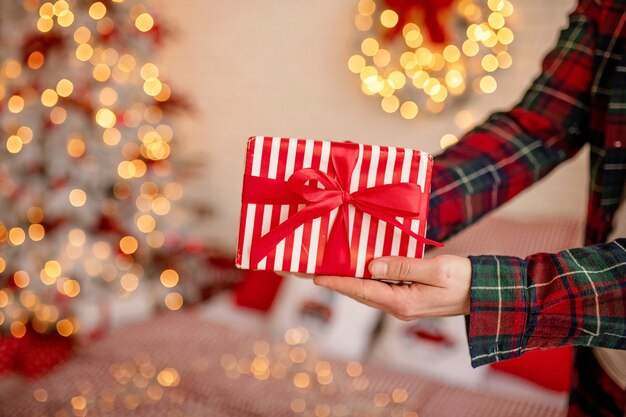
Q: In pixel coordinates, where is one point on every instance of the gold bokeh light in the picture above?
(64, 88)
(82, 35)
(88, 91)
(14, 144)
(97, 10)
(439, 71)
(16, 104)
(106, 118)
(174, 301)
(17, 236)
(169, 278)
(36, 60)
(144, 22)
(389, 18)
(128, 245)
(78, 197)
(76, 147)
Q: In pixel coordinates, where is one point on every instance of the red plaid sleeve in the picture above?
(512, 150)
(574, 297)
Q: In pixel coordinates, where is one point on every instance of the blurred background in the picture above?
(280, 69)
(124, 127)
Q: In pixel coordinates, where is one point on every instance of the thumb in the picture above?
(426, 271)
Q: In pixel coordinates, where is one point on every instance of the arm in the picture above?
(488, 167)
(512, 150)
(574, 297)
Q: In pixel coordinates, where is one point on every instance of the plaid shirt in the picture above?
(578, 296)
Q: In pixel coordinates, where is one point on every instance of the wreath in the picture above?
(425, 54)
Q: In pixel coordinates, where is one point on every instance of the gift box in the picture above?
(328, 208)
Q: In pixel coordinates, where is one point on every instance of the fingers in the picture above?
(439, 286)
(393, 299)
(425, 271)
(367, 291)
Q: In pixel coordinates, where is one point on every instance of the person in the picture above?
(574, 297)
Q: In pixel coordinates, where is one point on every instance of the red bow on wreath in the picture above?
(431, 12)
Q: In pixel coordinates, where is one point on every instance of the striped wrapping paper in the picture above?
(369, 237)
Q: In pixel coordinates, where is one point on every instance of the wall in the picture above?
(278, 68)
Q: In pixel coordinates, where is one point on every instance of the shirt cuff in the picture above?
(498, 308)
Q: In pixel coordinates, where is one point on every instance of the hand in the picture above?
(438, 286)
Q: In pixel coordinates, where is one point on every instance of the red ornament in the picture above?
(257, 290)
(33, 355)
(9, 348)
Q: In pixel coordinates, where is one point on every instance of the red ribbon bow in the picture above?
(430, 10)
(384, 202)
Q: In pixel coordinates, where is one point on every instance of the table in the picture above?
(183, 365)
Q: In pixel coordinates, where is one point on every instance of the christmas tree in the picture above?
(86, 172)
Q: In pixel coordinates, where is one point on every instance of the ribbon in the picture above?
(431, 11)
(384, 202)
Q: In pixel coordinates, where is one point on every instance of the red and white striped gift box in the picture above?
(274, 159)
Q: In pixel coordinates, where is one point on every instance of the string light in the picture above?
(76, 147)
(16, 104)
(168, 377)
(40, 395)
(36, 232)
(144, 22)
(65, 328)
(64, 88)
(129, 282)
(111, 136)
(155, 239)
(71, 288)
(128, 245)
(105, 26)
(58, 115)
(174, 301)
(46, 10)
(390, 103)
(447, 140)
(108, 96)
(17, 236)
(315, 383)
(77, 237)
(431, 74)
(82, 35)
(14, 144)
(45, 24)
(106, 118)
(408, 110)
(97, 10)
(12, 69)
(53, 269)
(389, 18)
(169, 278)
(84, 52)
(106, 93)
(18, 329)
(66, 19)
(78, 197)
(488, 84)
(21, 279)
(101, 72)
(152, 86)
